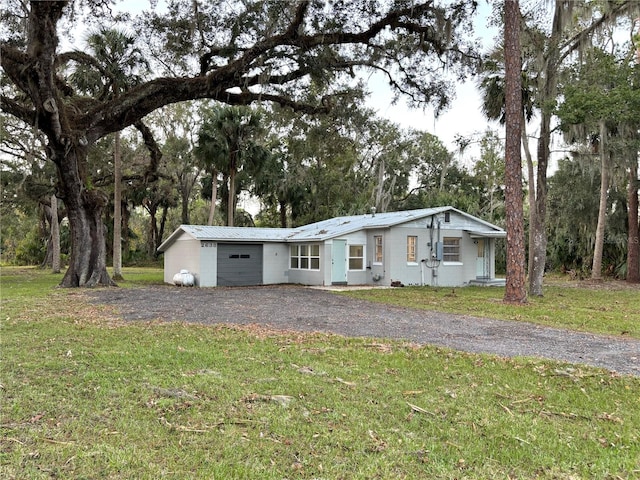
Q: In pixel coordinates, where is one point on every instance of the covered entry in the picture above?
(239, 264)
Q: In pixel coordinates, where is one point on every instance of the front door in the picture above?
(339, 262)
(482, 265)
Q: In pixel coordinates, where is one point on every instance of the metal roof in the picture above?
(338, 226)
(235, 233)
(319, 231)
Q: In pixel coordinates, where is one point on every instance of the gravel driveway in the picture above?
(307, 309)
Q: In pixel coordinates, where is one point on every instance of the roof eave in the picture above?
(171, 238)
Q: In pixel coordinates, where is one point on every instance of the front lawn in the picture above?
(611, 308)
(85, 395)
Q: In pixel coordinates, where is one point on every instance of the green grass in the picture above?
(85, 395)
(141, 276)
(608, 309)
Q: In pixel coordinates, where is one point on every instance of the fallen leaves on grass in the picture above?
(349, 384)
(379, 445)
(418, 409)
(282, 400)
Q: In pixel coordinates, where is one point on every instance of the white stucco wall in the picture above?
(208, 264)
(377, 270)
(354, 277)
(417, 273)
(184, 254)
(398, 269)
(309, 277)
(275, 263)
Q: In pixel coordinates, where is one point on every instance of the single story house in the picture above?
(432, 246)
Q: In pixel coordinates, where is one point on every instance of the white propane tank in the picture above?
(187, 278)
(184, 279)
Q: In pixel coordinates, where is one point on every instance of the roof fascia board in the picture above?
(479, 220)
(172, 238)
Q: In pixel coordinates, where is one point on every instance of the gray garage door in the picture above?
(239, 265)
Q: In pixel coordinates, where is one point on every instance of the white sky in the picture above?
(464, 117)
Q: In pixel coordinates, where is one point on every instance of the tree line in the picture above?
(206, 103)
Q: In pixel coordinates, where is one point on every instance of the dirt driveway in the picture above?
(306, 309)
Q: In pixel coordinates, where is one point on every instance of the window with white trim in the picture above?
(356, 257)
(377, 246)
(412, 249)
(451, 249)
(305, 257)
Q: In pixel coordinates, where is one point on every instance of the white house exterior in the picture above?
(433, 246)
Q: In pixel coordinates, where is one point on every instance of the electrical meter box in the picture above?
(439, 251)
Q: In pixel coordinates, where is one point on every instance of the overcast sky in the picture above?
(464, 117)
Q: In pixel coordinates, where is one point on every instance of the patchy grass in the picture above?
(585, 307)
(85, 395)
(134, 276)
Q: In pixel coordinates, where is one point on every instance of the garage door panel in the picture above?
(239, 265)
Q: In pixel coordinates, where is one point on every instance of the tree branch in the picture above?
(27, 115)
(293, 38)
(14, 62)
(247, 97)
(151, 173)
(572, 44)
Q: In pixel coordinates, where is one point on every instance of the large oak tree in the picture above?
(235, 53)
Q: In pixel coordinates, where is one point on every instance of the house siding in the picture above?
(453, 274)
(195, 248)
(359, 276)
(275, 267)
(309, 277)
(409, 273)
(376, 271)
(418, 273)
(208, 264)
(185, 255)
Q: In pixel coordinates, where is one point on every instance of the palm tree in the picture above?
(227, 142)
(120, 63)
(550, 50)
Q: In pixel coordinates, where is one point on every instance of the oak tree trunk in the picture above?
(214, 196)
(117, 209)
(283, 214)
(231, 204)
(50, 215)
(184, 207)
(55, 235)
(152, 234)
(538, 218)
(85, 206)
(531, 194)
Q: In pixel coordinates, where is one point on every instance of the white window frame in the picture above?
(356, 258)
(451, 250)
(304, 256)
(412, 249)
(378, 250)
